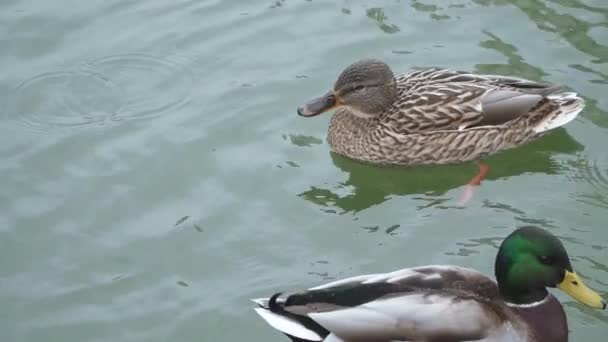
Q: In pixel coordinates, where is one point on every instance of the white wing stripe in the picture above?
(357, 279)
(288, 325)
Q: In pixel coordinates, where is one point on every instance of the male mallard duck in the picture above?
(442, 303)
(436, 116)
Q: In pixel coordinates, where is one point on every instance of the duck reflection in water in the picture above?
(368, 185)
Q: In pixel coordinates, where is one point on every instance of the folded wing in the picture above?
(426, 303)
(440, 99)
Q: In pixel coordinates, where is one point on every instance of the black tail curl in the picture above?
(273, 306)
(277, 308)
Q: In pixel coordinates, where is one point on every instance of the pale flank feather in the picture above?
(409, 317)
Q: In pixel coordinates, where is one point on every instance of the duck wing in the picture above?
(441, 99)
(416, 304)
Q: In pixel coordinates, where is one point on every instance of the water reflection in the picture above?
(324, 275)
(377, 15)
(515, 66)
(594, 113)
(388, 230)
(471, 247)
(602, 77)
(432, 9)
(369, 185)
(302, 140)
(593, 173)
(519, 215)
(569, 27)
(278, 3)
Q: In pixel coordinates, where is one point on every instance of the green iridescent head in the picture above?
(531, 259)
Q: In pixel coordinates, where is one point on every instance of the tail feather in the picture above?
(288, 325)
(297, 328)
(569, 105)
(262, 302)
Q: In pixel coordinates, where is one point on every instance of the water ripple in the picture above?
(150, 85)
(101, 91)
(62, 99)
(597, 176)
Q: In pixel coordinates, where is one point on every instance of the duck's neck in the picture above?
(352, 123)
(523, 297)
(546, 320)
(347, 133)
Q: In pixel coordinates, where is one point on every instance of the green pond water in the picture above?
(154, 175)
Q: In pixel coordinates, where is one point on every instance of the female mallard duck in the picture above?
(442, 303)
(436, 116)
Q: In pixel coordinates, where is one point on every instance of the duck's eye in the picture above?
(359, 87)
(545, 259)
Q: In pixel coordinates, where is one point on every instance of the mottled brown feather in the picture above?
(440, 117)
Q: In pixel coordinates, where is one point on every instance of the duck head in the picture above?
(365, 88)
(531, 259)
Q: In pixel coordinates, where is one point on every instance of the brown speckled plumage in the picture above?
(440, 116)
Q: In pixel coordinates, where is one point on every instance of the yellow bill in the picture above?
(573, 285)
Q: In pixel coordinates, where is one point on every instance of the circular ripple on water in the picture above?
(149, 86)
(105, 90)
(63, 99)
